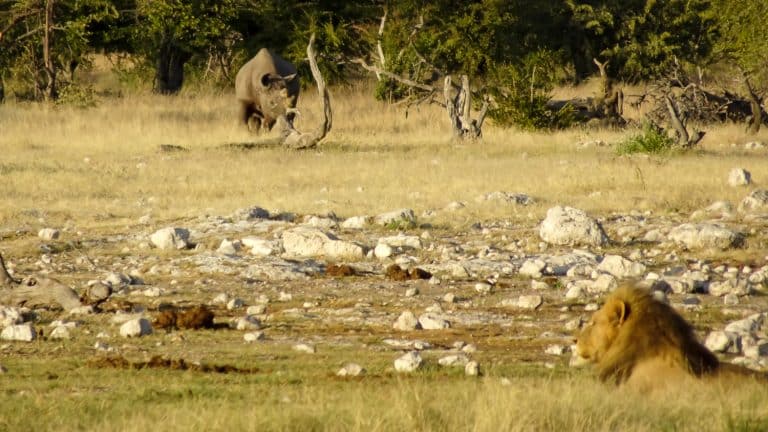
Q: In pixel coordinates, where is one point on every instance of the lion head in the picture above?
(634, 331)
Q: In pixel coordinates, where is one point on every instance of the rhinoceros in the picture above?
(267, 87)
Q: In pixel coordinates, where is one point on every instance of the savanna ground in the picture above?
(94, 172)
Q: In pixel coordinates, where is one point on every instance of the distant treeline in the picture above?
(44, 43)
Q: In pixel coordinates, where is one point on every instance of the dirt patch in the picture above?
(397, 273)
(195, 318)
(158, 362)
(340, 270)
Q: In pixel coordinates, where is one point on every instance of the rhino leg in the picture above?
(246, 112)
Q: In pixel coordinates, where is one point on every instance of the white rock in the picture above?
(604, 283)
(284, 296)
(533, 268)
(409, 362)
(529, 301)
(412, 292)
(351, 370)
(305, 348)
(382, 251)
(19, 332)
(483, 288)
(170, 238)
(431, 321)
(756, 201)
(102, 346)
(251, 337)
(728, 286)
(82, 310)
(248, 322)
(60, 332)
(621, 267)
(10, 315)
(221, 298)
(259, 246)
(259, 309)
(235, 303)
(356, 222)
(136, 327)
(570, 226)
(747, 325)
(413, 242)
(406, 321)
(574, 291)
(556, 350)
(454, 360)
(739, 177)
(48, 234)
(704, 236)
(756, 350)
(229, 247)
(340, 249)
(720, 341)
(402, 216)
(472, 369)
(449, 298)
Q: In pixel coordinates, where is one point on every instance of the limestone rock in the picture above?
(10, 316)
(472, 368)
(454, 360)
(351, 370)
(170, 238)
(705, 236)
(305, 348)
(60, 332)
(529, 301)
(402, 216)
(251, 337)
(248, 322)
(739, 177)
(409, 362)
(19, 332)
(621, 267)
(48, 234)
(432, 321)
(756, 201)
(570, 226)
(136, 328)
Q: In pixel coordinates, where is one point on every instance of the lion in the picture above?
(639, 341)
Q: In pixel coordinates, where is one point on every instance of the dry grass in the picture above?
(101, 169)
(69, 164)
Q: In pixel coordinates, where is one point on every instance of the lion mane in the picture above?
(635, 337)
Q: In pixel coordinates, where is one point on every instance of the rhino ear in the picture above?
(289, 78)
(266, 79)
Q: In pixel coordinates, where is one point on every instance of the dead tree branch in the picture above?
(35, 292)
(298, 140)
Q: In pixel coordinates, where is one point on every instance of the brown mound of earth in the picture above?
(340, 270)
(194, 318)
(157, 362)
(395, 272)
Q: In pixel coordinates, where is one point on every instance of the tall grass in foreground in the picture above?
(149, 400)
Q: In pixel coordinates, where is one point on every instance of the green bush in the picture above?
(650, 140)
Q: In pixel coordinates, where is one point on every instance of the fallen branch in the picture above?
(35, 292)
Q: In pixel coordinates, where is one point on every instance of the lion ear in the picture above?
(618, 310)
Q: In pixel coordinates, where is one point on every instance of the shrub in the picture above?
(650, 140)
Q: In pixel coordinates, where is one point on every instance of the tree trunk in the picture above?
(756, 120)
(2, 90)
(169, 76)
(50, 68)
